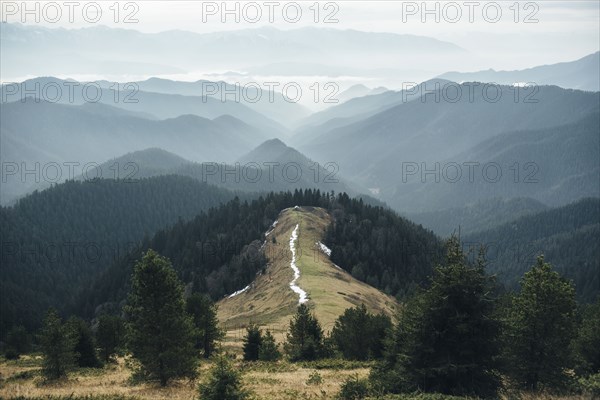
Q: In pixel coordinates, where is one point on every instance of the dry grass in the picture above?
(271, 303)
(265, 381)
(111, 380)
(294, 385)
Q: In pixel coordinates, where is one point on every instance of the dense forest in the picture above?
(567, 236)
(381, 248)
(218, 252)
(82, 238)
(477, 216)
(56, 240)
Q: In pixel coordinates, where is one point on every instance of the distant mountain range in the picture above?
(391, 151)
(481, 215)
(580, 74)
(356, 109)
(270, 167)
(45, 133)
(131, 98)
(93, 132)
(544, 142)
(271, 104)
(67, 52)
(218, 151)
(359, 91)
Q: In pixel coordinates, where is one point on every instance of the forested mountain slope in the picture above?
(567, 236)
(219, 252)
(55, 241)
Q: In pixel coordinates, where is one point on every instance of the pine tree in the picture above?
(223, 383)
(252, 343)
(304, 337)
(57, 347)
(350, 333)
(269, 349)
(204, 314)
(381, 327)
(85, 345)
(160, 331)
(541, 326)
(587, 344)
(358, 334)
(110, 336)
(446, 339)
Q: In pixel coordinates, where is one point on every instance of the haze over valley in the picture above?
(348, 200)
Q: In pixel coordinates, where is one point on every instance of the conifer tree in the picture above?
(223, 382)
(57, 347)
(447, 338)
(204, 314)
(304, 337)
(160, 332)
(110, 336)
(360, 335)
(541, 326)
(269, 349)
(252, 343)
(85, 345)
(587, 344)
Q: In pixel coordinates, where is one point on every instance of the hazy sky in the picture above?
(503, 35)
(539, 32)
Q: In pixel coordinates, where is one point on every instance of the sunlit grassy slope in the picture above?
(271, 303)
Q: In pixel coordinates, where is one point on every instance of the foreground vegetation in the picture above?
(455, 338)
(22, 380)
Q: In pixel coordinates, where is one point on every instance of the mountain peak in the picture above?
(273, 150)
(272, 143)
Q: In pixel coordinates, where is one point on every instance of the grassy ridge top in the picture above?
(270, 303)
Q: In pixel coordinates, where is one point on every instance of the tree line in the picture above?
(218, 251)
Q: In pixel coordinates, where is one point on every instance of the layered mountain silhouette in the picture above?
(393, 150)
(580, 74)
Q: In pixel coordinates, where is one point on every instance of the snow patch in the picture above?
(324, 249)
(238, 292)
(327, 252)
(272, 228)
(293, 286)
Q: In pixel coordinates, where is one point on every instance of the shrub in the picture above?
(354, 388)
(314, 379)
(591, 385)
(223, 383)
(11, 354)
